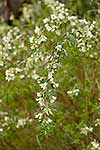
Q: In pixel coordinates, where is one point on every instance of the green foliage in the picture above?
(50, 79)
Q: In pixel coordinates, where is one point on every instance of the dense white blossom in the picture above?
(86, 130)
(42, 55)
(73, 92)
(95, 145)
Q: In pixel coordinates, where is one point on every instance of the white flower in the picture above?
(53, 99)
(90, 129)
(22, 76)
(95, 145)
(37, 30)
(1, 129)
(69, 92)
(53, 17)
(49, 120)
(40, 101)
(58, 47)
(17, 70)
(6, 118)
(35, 76)
(21, 122)
(41, 39)
(48, 27)
(31, 39)
(0, 100)
(58, 32)
(10, 74)
(1, 63)
(43, 85)
(45, 20)
(97, 122)
(39, 116)
(38, 94)
(73, 92)
(61, 16)
(86, 129)
(50, 75)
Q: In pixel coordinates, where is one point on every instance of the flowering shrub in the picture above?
(53, 66)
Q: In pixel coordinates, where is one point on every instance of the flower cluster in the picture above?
(85, 32)
(36, 42)
(47, 95)
(97, 122)
(73, 92)
(86, 36)
(86, 130)
(93, 142)
(95, 145)
(11, 73)
(7, 122)
(21, 122)
(27, 13)
(58, 17)
(40, 57)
